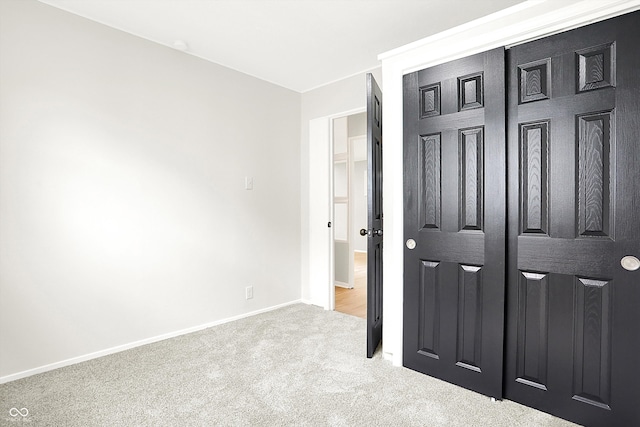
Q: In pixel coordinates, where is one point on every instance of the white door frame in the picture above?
(523, 22)
(321, 254)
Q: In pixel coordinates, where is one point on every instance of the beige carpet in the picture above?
(296, 366)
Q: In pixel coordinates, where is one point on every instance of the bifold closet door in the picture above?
(454, 221)
(573, 341)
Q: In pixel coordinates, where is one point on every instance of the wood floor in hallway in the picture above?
(354, 301)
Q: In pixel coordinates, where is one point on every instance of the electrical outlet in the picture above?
(249, 292)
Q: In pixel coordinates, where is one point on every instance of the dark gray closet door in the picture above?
(454, 221)
(573, 346)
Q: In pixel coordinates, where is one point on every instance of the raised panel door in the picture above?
(573, 342)
(454, 199)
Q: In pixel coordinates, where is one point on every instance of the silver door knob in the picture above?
(411, 244)
(630, 263)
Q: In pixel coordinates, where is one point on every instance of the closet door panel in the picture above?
(573, 193)
(454, 220)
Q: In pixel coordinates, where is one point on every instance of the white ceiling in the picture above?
(298, 44)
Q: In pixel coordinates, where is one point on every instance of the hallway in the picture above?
(354, 301)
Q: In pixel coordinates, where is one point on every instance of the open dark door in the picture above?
(374, 214)
(454, 221)
(574, 232)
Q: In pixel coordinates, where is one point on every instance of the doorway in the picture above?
(349, 143)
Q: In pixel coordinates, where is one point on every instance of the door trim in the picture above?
(320, 236)
(321, 265)
(518, 24)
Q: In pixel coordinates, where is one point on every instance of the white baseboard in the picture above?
(343, 285)
(117, 349)
(310, 302)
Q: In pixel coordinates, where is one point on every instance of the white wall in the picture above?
(357, 124)
(340, 98)
(123, 214)
(358, 200)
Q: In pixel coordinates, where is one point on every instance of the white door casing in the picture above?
(320, 207)
(321, 254)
